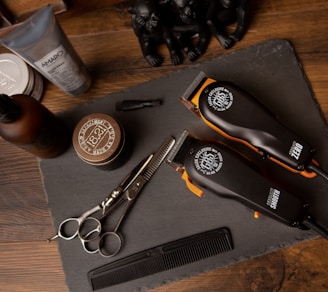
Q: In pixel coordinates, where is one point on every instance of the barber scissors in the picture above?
(88, 227)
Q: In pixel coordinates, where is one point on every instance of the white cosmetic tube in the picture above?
(42, 43)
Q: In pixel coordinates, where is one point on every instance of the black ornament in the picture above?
(186, 25)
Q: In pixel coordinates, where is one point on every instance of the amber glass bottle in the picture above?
(28, 124)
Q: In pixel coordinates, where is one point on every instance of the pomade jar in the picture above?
(99, 140)
(17, 77)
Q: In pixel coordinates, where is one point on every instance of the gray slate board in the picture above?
(166, 209)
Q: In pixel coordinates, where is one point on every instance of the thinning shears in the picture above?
(88, 227)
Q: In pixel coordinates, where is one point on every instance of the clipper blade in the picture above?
(179, 153)
(190, 92)
(194, 86)
(175, 157)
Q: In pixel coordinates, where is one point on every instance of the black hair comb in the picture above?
(164, 257)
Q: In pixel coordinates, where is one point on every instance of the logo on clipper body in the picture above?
(208, 160)
(296, 150)
(220, 99)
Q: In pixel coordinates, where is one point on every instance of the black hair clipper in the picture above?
(214, 166)
(237, 115)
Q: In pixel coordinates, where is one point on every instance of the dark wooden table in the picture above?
(102, 35)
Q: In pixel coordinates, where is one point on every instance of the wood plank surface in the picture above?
(106, 42)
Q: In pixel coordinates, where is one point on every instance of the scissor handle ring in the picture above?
(88, 247)
(114, 249)
(64, 232)
(89, 233)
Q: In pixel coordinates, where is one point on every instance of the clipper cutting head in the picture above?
(177, 154)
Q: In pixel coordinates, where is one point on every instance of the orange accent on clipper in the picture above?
(257, 214)
(195, 98)
(198, 192)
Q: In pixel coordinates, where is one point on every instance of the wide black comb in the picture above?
(161, 258)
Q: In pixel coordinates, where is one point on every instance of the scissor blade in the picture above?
(131, 177)
(150, 167)
(147, 168)
(158, 157)
(114, 197)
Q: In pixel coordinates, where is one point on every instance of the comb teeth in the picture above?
(162, 258)
(195, 252)
(159, 157)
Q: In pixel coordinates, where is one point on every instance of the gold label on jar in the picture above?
(96, 136)
(98, 139)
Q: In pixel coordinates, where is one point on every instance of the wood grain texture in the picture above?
(278, 271)
(17, 11)
(102, 35)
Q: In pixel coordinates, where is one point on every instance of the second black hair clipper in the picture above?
(238, 116)
(214, 166)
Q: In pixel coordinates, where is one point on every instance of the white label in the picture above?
(220, 99)
(59, 67)
(273, 198)
(7, 82)
(208, 160)
(296, 150)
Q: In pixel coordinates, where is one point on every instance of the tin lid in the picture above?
(98, 139)
(14, 74)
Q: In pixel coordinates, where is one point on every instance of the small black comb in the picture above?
(161, 258)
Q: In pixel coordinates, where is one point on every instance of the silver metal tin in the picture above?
(17, 77)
